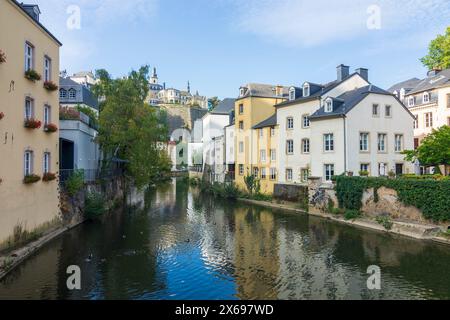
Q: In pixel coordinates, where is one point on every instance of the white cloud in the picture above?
(311, 23)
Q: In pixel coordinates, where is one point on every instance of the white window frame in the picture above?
(47, 68)
(328, 142)
(47, 114)
(382, 142)
(416, 121)
(292, 94)
(306, 121)
(398, 143)
(263, 173)
(289, 147)
(375, 110)
(385, 167)
(28, 163)
(386, 108)
(290, 123)
(70, 96)
(329, 106)
(241, 147)
(329, 172)
(29, 56)
(29, 108)
(46, 163)
(429, 120)
(273, 155)
(261, 133)
(273, 174)
(306, 90)
(411, 101)
(304, 174)
(426, 97)
(364, 142)
(62, 93)
(263, 155)
(289, 174)
(306, 146)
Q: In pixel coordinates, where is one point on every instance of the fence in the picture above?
(90, 175)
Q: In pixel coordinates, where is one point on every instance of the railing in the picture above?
(196, 168)
(90, 175)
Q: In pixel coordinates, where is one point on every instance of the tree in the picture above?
(130, 129)
(213, 102)
(434, 150)
(438, 53)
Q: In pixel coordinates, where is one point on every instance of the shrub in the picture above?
(95, 206)
(50, 86)
(32, 75)
(385, 221)
(75, 182)
(364, 173)
(430, 196)
(30, 179)
(352, 214)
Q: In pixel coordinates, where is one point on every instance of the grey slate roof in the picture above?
(263, 90)
(270, 122)
(347, 101)
(84, 95)
(408, 85)
(439, 80)
(226, 106)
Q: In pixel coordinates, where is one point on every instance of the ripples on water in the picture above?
(178, 244)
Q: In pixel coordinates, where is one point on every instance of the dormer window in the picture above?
(292, 94)
(306, 90)
(402, 94)
(411, 101)
(329, 106)
(426, 97)
(242, 92)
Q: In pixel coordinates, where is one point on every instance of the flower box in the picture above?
(32, 124)
(2, 57)
(2, 115)
(32, 75)
(30, 179)
(50, 86)
(49, 177)
(50, 128)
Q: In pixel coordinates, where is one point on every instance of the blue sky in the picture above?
(221, 44)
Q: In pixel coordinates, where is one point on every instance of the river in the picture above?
(178, 244)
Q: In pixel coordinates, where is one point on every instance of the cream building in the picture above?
(27, 152)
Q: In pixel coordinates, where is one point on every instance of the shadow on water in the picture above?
(175, 243)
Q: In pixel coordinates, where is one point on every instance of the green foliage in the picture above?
(253, 184)
(352, 214)
(385, 221)
(93, 117)
(75, 182)
(430, 196)
(130, 129)
(364, 173)
(434, 150)
(95, 206)
(219, 190)
(438, 52)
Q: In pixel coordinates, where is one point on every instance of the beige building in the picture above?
(29, 116)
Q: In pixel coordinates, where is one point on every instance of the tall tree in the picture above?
(131, 129)
(439, 52)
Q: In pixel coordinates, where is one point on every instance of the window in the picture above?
(306, 146)
(305, 175)
(289, 175)
(411, 101)
(290, 147)
(416, 121)
(272, 132)
(429, 120)
(398, 143)
(290, 123)
(329, 172)
(262, 154)
(292, 94)
(365, 167)
(329, 106)
(63, 94)
(242, 92)
(241, 125)
(46, 162)
(241, 169)
(306, 121)
(273, 174)
(29, 56)
(261, 133)
(263, 173)
(382, 142)
(426, 97)
(29, 108)
(388, 111)
(364, 142)
(28, 163)
(47, 68)
(402, 94)
(375, 110)
(72, 94)
(241, 147)
(382, 169)
(306, 90)
(47, 114)
(273, 155)
(328, 142)
(241, 109)
(256, 172)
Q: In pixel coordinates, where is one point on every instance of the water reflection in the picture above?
(174, 243)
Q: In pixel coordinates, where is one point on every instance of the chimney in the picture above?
(364, 73)
(433, 72)
(32, 9)
(342, 72)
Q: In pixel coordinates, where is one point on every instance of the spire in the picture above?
(154, 73)
(189, 87)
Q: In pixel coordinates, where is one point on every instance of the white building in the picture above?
(230, 148)
(347, 125)
(219, 168)
(85, 78)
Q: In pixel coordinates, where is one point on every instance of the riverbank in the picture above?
(407, 229)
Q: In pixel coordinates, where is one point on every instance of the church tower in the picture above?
(189, 87)
(154, 78)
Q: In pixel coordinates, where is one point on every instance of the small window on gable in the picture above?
(329, 106)
(306, 90)
(411, 101)
(72, 94)
(426, 97)
(292, 94)
(242, 92)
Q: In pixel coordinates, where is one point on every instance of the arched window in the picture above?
(306, 90)
(72, 94)
(329, 106)
(292, 94)
(63, 94)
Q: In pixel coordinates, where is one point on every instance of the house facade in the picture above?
(28, 110)
(255, 104)
(230, 150)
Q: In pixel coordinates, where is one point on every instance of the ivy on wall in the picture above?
(430, 196)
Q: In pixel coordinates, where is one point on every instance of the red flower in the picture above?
(32, 123)
(50, 128)
(50, 86)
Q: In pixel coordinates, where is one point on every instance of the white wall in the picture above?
(213, 126)
(230, 145)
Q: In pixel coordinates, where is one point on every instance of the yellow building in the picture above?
(266, 147)
(29, 106)
(255, 104)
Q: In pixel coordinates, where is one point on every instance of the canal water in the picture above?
(178, 244)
